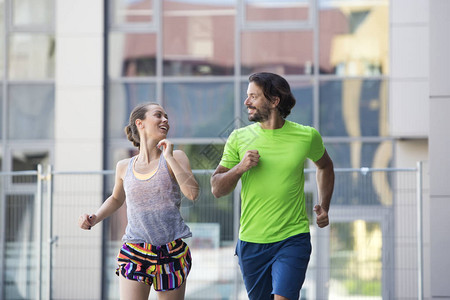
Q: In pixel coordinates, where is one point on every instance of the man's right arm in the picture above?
(224, 180)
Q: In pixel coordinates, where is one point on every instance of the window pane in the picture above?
(123, 97)
(198, 38)
(354, 37)
(359, 154)
(132, 11)
(279, 52)
(198, 109)
(21, 247)
(204, 156)
(33, 12)
(355, 259)
(353, 107)
(25, 160)
(132, 54)
(31, 110)
(301, 113)
(357, 188)
(270, 10)
(1, 112)
(32, 56)
(2, 37)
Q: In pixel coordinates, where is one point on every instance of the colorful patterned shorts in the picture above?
(166, 266)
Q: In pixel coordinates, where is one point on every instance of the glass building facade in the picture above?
(194, 57)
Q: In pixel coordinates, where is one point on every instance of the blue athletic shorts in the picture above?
(276, 268)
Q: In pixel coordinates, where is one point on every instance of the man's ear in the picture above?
(275, 101)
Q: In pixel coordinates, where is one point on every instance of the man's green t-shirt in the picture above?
(272, 195)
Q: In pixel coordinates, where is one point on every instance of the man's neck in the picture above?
(274, 122)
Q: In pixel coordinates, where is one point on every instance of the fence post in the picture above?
(51, 239)
(419, 232)
(40, 179)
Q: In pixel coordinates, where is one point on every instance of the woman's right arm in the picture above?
(111, 204)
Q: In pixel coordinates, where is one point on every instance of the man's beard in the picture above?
(260, 115)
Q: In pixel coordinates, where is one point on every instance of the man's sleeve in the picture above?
(230, 156)
(317, 148)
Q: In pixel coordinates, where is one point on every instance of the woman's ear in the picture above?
(139, 123)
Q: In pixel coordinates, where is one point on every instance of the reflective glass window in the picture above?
(21, 247)
(359, 154)
(353, 107)
(301, 113)
(31, 56)
(359, 188)
(284, 53)
(33, 12)
(198, 37)
(1, 112)
(25, 160)
(354, 37)
(123, 98)
(203, 156)
(132, 11)
(271, 10)
(198, 109)
(31, 109)
(132, 54)
(356, 246)
(2, 38)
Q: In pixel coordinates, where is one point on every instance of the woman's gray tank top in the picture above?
(153, 207)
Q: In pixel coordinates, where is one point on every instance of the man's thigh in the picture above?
(255, 261)
(290, 265)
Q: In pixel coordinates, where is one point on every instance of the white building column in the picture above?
(439, 147)
(78, 141)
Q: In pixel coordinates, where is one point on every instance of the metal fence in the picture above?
(371, 250)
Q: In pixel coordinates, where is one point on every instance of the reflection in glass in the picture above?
(132, 54)
(33, 12)
(31, 56)
(25, 160)
(2, 38)
(301, 113)
(283, 53)
(199, 109)
(354, 39)
(132, 11)
(1, 112)
(354, 107)
(21, 246)
(31, 111)
(359, 154)
(123, 98)
(198, 38)
(271, 10)
(348, 185)
(355, 259)
(203, 156)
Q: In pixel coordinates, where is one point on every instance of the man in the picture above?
(274, 245)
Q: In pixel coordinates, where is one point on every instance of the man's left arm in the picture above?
(325, 186)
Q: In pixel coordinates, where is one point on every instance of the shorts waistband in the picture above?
(165, 249)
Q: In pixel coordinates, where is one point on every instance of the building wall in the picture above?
(78, 138)
(439, 102)
(409, 68)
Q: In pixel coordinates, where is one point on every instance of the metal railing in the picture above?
(371, 250)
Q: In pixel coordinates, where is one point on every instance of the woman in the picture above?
(153, 251)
